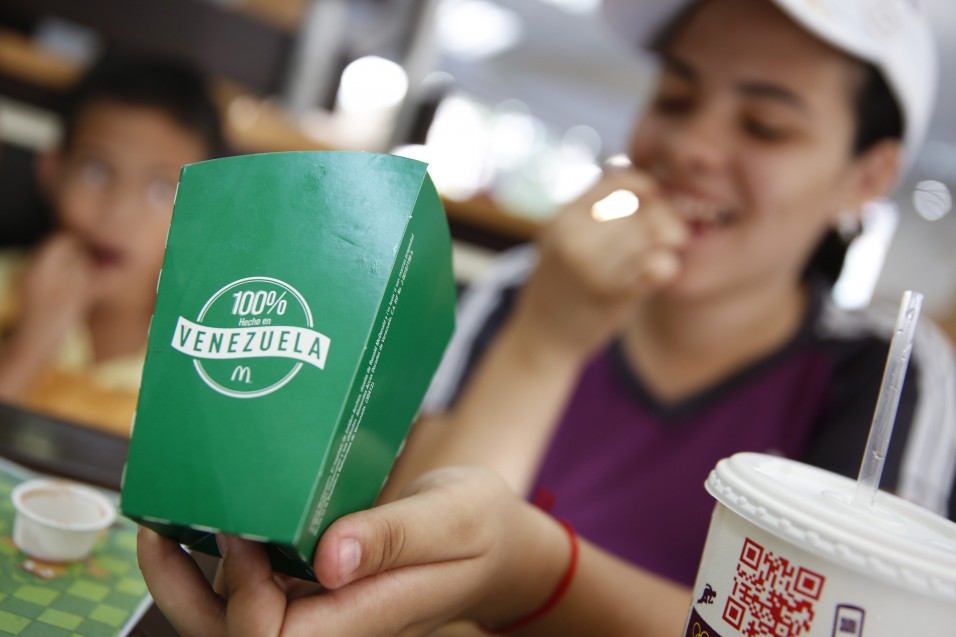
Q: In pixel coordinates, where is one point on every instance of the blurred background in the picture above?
(513, 103)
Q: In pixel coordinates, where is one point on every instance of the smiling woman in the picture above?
(636, 352)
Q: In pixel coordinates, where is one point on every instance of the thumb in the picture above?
(428, 527)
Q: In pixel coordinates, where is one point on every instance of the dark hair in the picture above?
(878, 117)
(877, 114)
(171, 85)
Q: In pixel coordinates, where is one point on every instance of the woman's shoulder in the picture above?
(487, 295)
(482, 310)
(858, 343)
(925, 434)
(871, 328)
(509, 268)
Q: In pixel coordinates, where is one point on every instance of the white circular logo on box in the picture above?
(252, 337)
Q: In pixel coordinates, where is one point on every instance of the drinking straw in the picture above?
(901, 346)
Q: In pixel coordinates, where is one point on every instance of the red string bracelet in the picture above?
(556, 596)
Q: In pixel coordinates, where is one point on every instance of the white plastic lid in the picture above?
(897, 541)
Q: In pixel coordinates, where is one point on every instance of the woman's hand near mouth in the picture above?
(593, 273)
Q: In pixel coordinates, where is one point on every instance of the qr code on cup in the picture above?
(772, 596)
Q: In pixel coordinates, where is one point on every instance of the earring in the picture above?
(848, 226)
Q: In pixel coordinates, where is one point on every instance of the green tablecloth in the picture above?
(102, 596)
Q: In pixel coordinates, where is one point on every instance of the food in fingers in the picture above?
(647, 247)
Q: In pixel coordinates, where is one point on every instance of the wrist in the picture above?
(540, 348)
(547, 571)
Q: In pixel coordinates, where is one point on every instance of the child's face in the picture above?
(751, 134)
(114, 189)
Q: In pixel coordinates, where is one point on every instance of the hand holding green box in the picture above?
(305, 301)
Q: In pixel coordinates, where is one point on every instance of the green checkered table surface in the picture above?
(99, 597)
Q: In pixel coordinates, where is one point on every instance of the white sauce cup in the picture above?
(58, 520)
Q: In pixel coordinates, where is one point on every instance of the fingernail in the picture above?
(350, 556)
(144, 534)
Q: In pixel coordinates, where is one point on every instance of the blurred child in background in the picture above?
(74, 313)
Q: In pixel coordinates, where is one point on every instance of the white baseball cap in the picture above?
(893, 35)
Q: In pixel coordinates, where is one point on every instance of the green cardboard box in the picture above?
(305, 301)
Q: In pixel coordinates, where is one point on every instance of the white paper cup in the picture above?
(57, 520)
(787, 556)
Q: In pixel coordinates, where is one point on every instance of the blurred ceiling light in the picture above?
(515, 134)
(932, 199)
(457, 144)
(578, 168)
(475, 29)
(371, 84)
